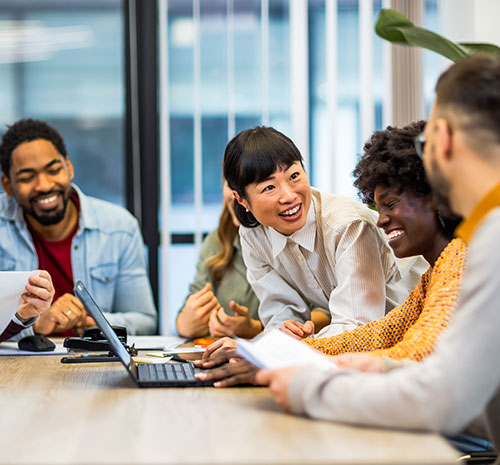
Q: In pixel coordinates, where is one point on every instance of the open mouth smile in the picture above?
(292, 212)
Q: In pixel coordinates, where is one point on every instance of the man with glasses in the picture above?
(460, 382)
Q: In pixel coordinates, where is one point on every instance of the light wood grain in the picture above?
(93, 414)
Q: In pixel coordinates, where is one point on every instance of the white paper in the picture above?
(11, 348)
(276, 349)
(12, 285)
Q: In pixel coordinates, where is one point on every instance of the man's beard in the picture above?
(440, 191)
(52, 217)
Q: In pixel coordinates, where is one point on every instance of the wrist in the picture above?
(26, 321)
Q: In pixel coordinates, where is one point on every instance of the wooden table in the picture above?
(93, 414)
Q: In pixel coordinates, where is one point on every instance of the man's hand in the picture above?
(38, 296)
(278, 381)
(218, 347)
(241, 324)
(298, 330)
(231, 369)
(193, 318)
(360, 361)
(65, 313)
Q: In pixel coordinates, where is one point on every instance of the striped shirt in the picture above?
(339, 260)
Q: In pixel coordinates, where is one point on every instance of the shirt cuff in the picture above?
(27, 323)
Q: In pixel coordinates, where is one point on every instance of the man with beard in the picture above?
(46, 222)
(460, 382)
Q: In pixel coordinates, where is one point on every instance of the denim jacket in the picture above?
(107, 255)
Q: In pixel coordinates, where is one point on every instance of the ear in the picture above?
(444, 139)
(240, 200)
(7, 186)
(71, 170)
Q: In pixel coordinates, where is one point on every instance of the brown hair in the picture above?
(222, 262)
(469, 93)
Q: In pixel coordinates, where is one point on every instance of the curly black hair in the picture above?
(390, 159)
(27, 130)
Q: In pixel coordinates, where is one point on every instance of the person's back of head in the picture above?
(468, 96)
(27, 130)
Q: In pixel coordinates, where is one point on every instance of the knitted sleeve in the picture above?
(379, 334)
(439, 303)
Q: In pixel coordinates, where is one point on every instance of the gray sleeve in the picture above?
(449, 388)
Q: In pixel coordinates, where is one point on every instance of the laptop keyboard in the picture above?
(166, 371)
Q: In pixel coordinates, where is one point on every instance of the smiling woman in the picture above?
(305, 249)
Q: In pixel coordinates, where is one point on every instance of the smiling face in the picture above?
(282, 201)
(40, 181)
(409, 221)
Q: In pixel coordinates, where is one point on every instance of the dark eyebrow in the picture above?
(31, 170)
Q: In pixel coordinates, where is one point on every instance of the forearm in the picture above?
(251, 330)
(320, 319)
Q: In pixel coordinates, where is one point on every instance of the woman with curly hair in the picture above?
(390, 177)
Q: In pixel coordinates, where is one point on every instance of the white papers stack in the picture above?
(276, 349)
(12, 285)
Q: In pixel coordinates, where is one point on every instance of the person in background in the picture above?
(220, 300)
(46, 222)
(36, 301)
(458, 386)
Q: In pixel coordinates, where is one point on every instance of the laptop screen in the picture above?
(103, 324)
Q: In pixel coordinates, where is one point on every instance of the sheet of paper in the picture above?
(10, 348)
(12, 285)
(276, 349)
(155, 342)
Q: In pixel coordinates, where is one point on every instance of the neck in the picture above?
(435, 250)
(59, 231)
(475, 180)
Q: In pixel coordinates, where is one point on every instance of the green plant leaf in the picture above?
(395, 27)
(475, 47)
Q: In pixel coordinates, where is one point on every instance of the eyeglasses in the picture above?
(420, 144)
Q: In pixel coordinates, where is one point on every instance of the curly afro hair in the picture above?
(27, 130)
(390, 159)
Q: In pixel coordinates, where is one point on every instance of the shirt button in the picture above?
(75, 247)
(107, 278)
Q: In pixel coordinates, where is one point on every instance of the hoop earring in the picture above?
(440, 218)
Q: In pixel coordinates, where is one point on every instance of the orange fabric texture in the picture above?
(410, 330)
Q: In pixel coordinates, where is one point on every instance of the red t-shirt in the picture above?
(55, 257)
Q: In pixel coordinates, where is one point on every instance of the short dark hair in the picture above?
(251, 157)
(471, 87)
(390, 159)
(27, 130)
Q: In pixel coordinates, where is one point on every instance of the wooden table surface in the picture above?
(55, 413)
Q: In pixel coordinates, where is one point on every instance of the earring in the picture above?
(440, 219)
(247, 210)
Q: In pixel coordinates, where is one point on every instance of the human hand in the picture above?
(360, 361)
(65, 313)
(235, 371)
(278, 381)
(38, 296)
(241, 324)
(193, 318)
(296, 329)
(222, 345)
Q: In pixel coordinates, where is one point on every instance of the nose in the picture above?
(383, 219)
(287, 194)
(44, 183)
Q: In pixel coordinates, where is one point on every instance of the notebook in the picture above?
(143, 374)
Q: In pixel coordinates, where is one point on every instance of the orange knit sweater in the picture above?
(410, 330)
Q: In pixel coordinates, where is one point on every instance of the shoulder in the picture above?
(8, 207)
(104, 215)
(211, 244)
(337, 212)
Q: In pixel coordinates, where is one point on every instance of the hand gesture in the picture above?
(65, 313)
(241, 324)
(279, 382)
(218, 347)
(192, 321)
(38, 296)
(296, 329)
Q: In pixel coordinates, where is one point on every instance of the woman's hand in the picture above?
(38, 296)
(298, 330)
(241, 324)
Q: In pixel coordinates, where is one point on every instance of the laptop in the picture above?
(143, 374)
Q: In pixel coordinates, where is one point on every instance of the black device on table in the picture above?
(143, 374)
(36, 343)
